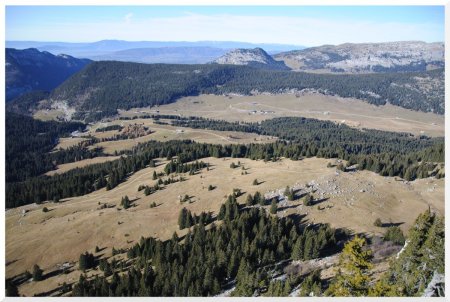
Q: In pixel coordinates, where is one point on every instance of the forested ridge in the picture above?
(242, 248)
(389, 154)
(28, 143)
(103, 87)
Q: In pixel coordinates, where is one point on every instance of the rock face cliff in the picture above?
(367, 57)
(256, 57)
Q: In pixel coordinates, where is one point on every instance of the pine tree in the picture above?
(273, 206)
(258, 199)
(297, 250)
(222, 211)
(250, 200)
(37, 273)
(182, 218)
(307, 201)
(125, 202)
(11, 289)
(354, 265)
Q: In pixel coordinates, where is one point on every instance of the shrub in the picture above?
(394, 234)
(307, 201)
(378, 222)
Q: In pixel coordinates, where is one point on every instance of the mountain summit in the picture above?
(255, 57)
(367, 57)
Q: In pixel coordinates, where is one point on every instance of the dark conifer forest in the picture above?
(101, 88)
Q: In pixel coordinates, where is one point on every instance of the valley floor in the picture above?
(352, 112)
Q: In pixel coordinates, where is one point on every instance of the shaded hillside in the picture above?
(28, 142)
(30, 69)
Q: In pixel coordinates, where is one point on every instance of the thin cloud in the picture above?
(257, 29)
(128, 17)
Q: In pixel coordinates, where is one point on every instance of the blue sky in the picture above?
(301, 25)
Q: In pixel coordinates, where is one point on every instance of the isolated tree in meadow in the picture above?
(307, 201)
(125, 202)
(147, 191)
(255, 182)
(37, 273)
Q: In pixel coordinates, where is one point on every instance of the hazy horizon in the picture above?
(288, 25)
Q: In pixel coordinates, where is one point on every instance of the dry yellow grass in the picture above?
(163, 133)
(48, 115)
(82, 163)
(353, 112)
(67, 142)
(78, 225)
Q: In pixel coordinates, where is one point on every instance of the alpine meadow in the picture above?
(159, 151)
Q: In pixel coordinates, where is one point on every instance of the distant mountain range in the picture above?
(30, 69)
(113, 49)
(256, 57)
(344, 58)
(103, 88)
(174, 55)
(367, 57)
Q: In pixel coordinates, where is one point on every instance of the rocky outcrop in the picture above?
(367, 57)
(256, 57)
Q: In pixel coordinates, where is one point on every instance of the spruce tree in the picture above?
(182, 219)
(11, 289)
(353, 276)
(273, 206)
(250, 200)
(37, 273)
(297, 250)
(125, 202)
